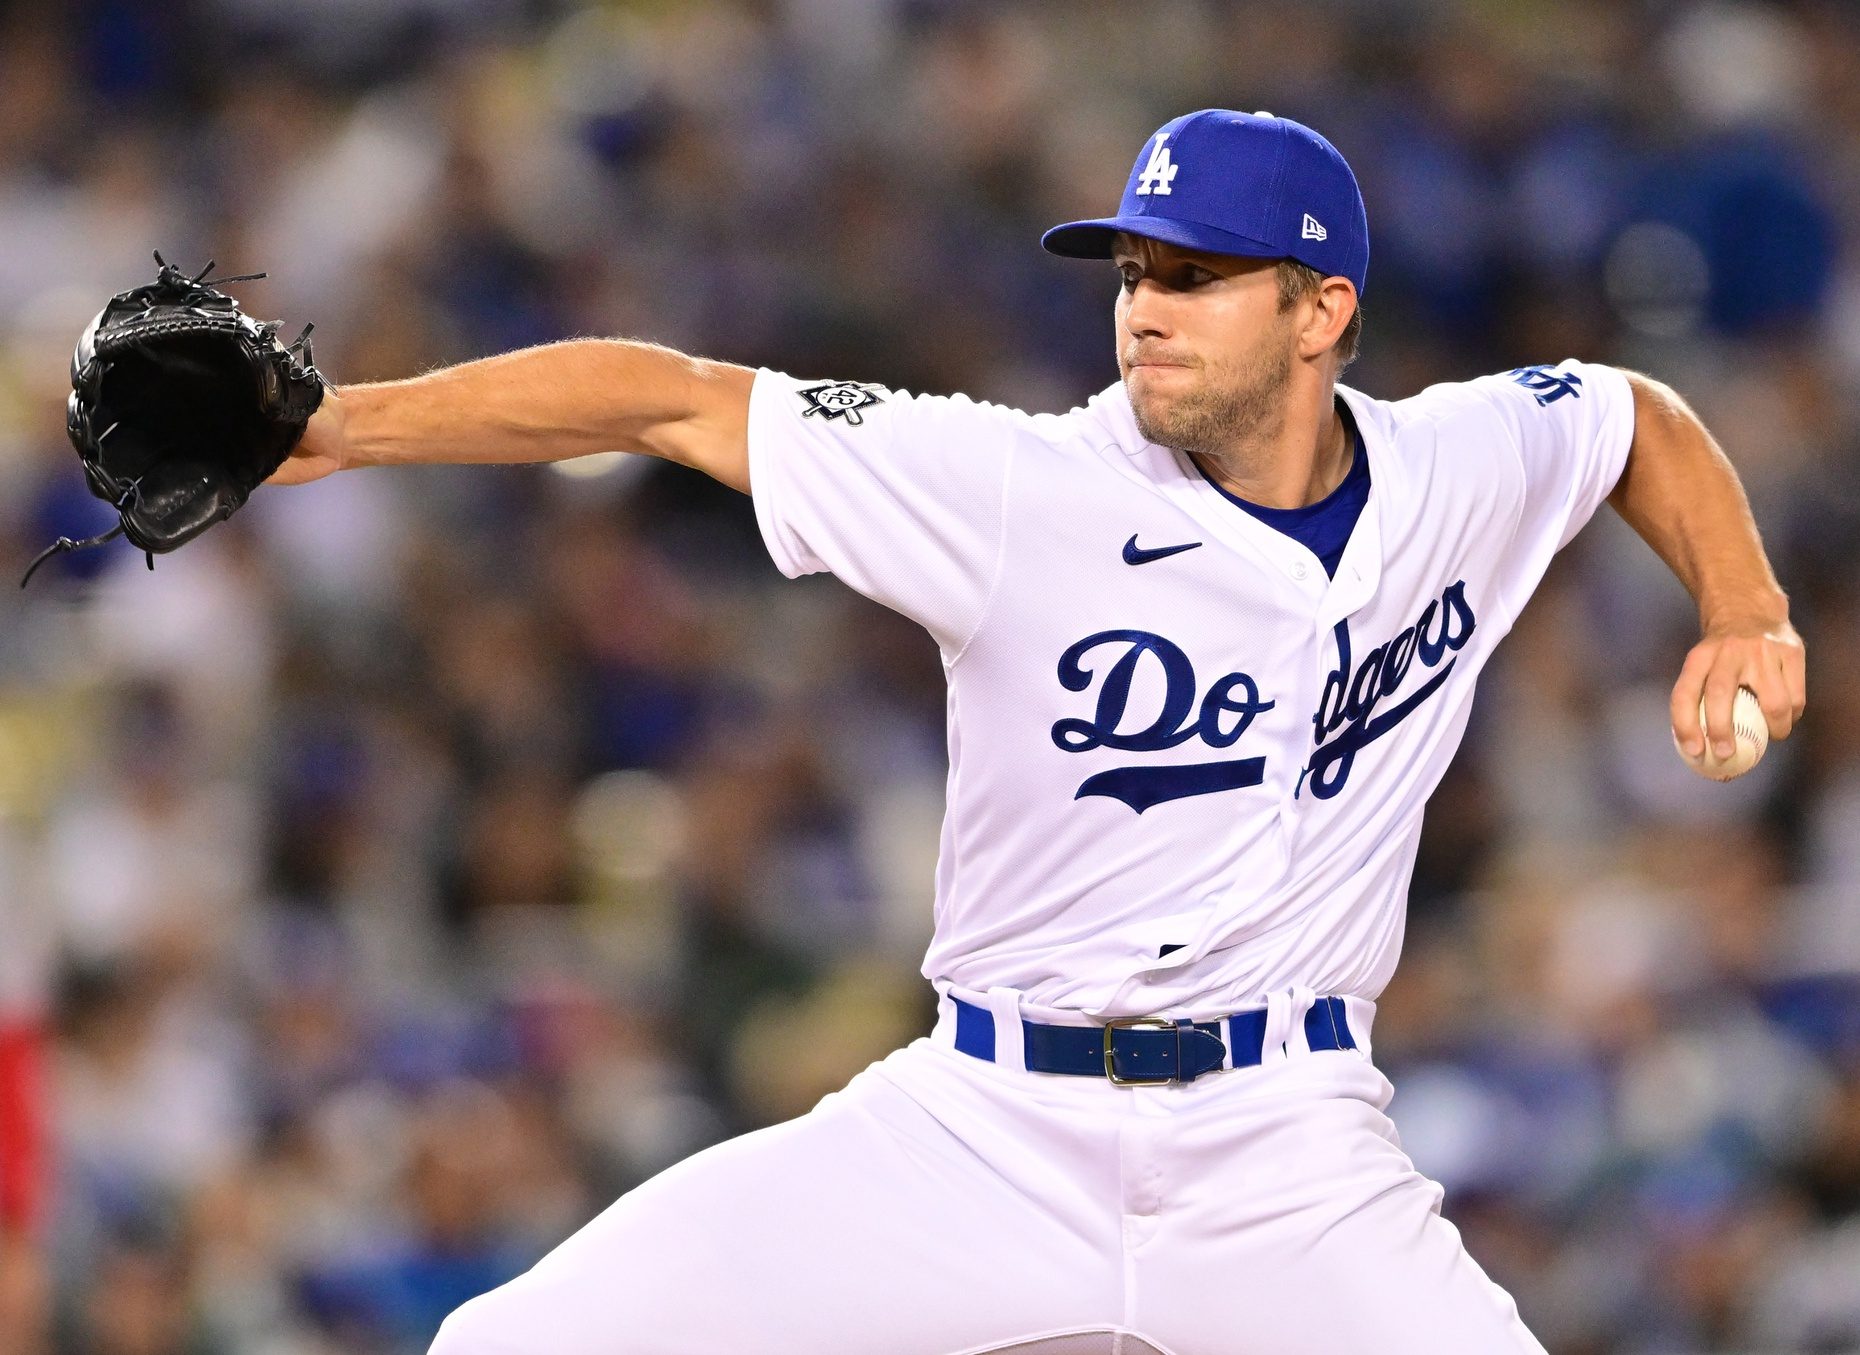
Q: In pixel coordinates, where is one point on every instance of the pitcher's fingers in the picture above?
(1795, 677)
(1721, 685)
(1764, 676)
(1687, 692)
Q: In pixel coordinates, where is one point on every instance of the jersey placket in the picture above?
(1307, 598)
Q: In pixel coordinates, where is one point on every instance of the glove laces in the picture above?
(170, 273)
(66, 543)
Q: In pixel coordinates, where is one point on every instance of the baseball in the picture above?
(1753, 736)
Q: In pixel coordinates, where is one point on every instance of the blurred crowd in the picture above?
(413, 864)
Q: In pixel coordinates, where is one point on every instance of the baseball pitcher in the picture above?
(1211, 640)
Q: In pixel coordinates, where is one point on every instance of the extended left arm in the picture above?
(1680, 493)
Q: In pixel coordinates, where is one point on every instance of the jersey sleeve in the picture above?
(1570, 427)
(899, 495)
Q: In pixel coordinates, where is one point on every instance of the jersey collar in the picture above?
(1171, 473)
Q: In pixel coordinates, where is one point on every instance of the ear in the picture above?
(1327, 315)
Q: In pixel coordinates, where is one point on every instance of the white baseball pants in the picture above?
(941, 1205)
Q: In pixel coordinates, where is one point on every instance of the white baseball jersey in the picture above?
(1187, 768)
(1168, 727)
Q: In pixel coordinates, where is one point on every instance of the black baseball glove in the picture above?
(181, 405)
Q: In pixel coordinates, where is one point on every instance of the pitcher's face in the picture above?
(1205, 351)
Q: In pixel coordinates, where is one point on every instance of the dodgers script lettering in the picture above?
(1218, 719)
(1347, 719)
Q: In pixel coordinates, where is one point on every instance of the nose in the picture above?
(1146, 311)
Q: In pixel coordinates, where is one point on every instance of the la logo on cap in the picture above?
(1313, 231)
(1159, 173)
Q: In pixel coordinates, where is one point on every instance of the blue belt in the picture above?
(1148, 1050)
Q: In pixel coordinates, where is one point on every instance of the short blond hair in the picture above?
(1297, 280)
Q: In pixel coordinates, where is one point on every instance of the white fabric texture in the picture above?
(940, 1205)
(1088, 694)
(924, 490)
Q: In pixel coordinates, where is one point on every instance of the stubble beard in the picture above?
(1231, 411)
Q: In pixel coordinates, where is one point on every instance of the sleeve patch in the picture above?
(1546, 383)
(839, 400)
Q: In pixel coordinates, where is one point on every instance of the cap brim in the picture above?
(1092, 239)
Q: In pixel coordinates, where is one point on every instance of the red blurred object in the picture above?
(23, 1143)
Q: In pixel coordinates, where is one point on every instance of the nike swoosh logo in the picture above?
(1135, 555)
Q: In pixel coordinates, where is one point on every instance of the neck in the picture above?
(1291, 464)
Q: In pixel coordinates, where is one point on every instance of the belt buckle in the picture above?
(1133, 1023)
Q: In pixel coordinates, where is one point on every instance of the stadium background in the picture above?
(401, 872)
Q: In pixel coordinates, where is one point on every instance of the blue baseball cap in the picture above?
(1237, 183)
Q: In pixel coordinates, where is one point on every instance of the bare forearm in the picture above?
(552, 403)
(1681, 495)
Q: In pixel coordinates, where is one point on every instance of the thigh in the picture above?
(1303, 1226)
(868, 1224)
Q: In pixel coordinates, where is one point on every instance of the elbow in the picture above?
(1655, 400)
(1662, 418)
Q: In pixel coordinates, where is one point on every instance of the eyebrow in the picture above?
(1176, 258)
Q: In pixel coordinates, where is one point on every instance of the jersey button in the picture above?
(1299, 571)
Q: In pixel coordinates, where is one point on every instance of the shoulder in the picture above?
(1511, 405)
(841, 404)
(1537, 386)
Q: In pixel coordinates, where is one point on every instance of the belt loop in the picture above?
(1010, 1040)
(1285, 1019)
(1360, 1012)
(1304, 998)
(1278, 1026)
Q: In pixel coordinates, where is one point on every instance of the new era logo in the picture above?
(1313, 231)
